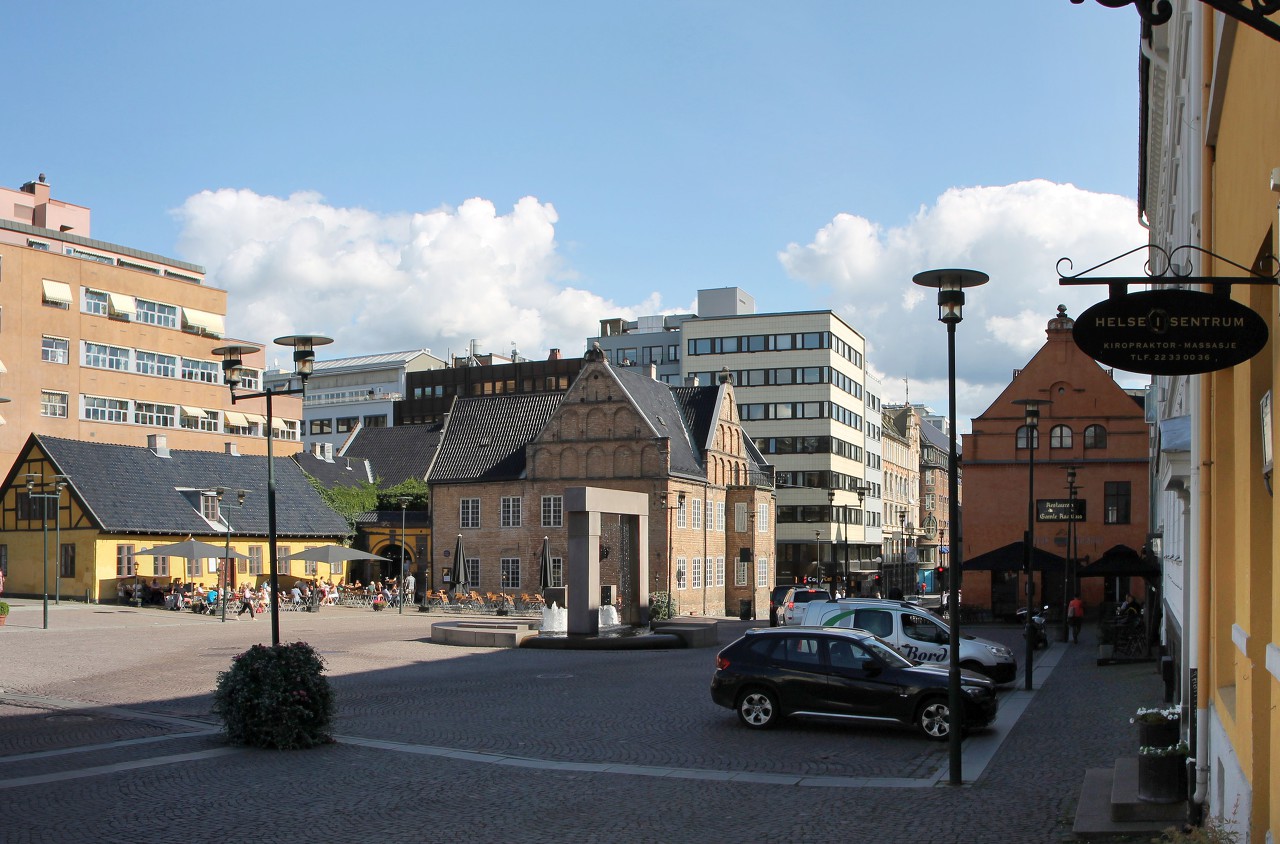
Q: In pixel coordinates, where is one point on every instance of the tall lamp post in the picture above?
(1067, 591)
(304, 357)
(951, 285)
(1031, 408)
(404, 505)
(59, 484)
(831, 500)
(899, 573)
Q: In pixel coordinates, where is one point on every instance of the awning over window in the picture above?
(236, 420)
(57, 291)
(122, 304)
(3, 421)
(278, 424)
(3, 368)
(211, 323)
(198, 412)
(253, 417)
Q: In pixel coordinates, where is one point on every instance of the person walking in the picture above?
(246, 602)
(1075, 617)
(409, 583)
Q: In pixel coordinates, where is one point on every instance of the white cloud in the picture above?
(378, 283)
(1015, 233)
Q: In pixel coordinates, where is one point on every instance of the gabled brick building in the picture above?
(504, 461)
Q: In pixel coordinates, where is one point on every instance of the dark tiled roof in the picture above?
(486, 436)
(698, 410)
(341, 471)
(398, 453)
(128, 489)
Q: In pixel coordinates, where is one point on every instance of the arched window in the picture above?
(1095, 436)
(1022, 437)
(1060, 437)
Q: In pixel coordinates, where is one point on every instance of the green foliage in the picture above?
(4, 608)
(1213, 832)
(348, 502)
(275, 697)
(389, 499)
(661, 606)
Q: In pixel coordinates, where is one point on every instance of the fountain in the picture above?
(555, 619)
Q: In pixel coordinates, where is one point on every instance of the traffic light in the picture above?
(941, 573)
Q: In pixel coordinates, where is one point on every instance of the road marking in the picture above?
(103, 770)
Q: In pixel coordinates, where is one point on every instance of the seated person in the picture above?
(211, 597)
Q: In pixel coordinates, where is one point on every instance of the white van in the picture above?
(914, 632)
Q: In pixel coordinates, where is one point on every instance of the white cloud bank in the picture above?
(1014, 233)
(380, 283)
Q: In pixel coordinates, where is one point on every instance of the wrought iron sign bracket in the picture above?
(1251, 13)
(1172, 271)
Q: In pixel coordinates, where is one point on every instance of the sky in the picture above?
(415, 175)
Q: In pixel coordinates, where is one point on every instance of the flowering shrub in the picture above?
(1179, 749)
(275, 697)
(1156, 714)
(661, 606)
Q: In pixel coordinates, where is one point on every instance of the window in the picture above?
(321, 426)
(682, 572)
(762, 571)
(255, 559)
(510, 572)
(153, 313)
(282, 565)
(720, 516)
(345, 424)
(67, 560)
(469, 513)
(56, 294)
(209, 507)
(4, 560)
(1116, 499)
(106, 357)
(511, 514)
(105, 410)
(124, 561)
(158, 415)
(54, 349)
(719, 571)
(1060, 437)
(201, 370)
(557, 571)
(473, 573)
(762, 518)
(53, 404)
(1022, 437)
(193, 568)
(740, 572)
(552, 511)
(682, 514)
(697, 514)
(95, 302)
(310, 568)
(250, 379)
(740, 517)
(375, 421)
(195, 419)
(154, 363)
(1095, 436)
(697, 572)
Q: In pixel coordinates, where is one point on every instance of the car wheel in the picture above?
(758, 709)
(934, 719)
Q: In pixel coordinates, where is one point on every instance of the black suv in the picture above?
(772, 673)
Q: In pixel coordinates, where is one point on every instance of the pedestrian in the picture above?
(246, 602)
(1075, 617)
(409, 583)
(1, 581)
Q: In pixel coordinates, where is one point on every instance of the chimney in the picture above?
(691, 380)
(230, 448)
(327, 452)
(555, 355)
(653, 371)
(317, 450)
(159, 444)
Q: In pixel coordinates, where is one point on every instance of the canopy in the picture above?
(544, 567)
(333, 554)
(193, 549)
(1121, 561)
(1012, 557)
(459, 567)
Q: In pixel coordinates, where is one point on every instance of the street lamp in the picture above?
(1031, 407)
(1067, 592)
(304, 357)
(404, 504)
(951, 285)
(60, 483)
(831, 500)
(663, 498)
(900, 570)
(218, 493)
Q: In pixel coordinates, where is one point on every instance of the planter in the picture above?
(1161, 733)
(1160, 778)
(378, 607)
(3, 619)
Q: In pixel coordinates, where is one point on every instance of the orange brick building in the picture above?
(1091, 423)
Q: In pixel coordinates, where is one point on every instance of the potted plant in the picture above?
(1160, 772)
(4, 613)
(378, 604)
(1157, 726)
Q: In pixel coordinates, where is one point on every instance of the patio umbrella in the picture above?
(333, 554)
(192, 549)
(459, 567)
(544, 574)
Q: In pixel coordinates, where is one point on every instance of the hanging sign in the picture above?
(1170, 332)
(1059, 510)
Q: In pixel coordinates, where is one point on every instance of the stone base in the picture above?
(696, 632)
(482, 634)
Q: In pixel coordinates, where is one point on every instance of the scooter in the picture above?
(1035, 630)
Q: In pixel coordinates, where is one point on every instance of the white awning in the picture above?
(122, 304)
(3, 369)
(235, 419)
(253, 417)
(278, 424)
(211, 323)
(193, 411)
(3, 421)
(57, 291)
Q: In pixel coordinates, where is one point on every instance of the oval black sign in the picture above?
(1170, 332)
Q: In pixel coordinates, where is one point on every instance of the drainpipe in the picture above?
(1201, 438)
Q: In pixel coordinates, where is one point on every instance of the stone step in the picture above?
(1125, 805)
(1094, 819)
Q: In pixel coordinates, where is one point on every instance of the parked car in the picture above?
(771, 674)
(795, 598)
(914, 632)
(775, 602)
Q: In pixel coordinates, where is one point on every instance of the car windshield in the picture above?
(885, 652)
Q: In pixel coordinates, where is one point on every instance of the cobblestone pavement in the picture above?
(106, 735)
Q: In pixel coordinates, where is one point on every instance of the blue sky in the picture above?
(406, 175)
